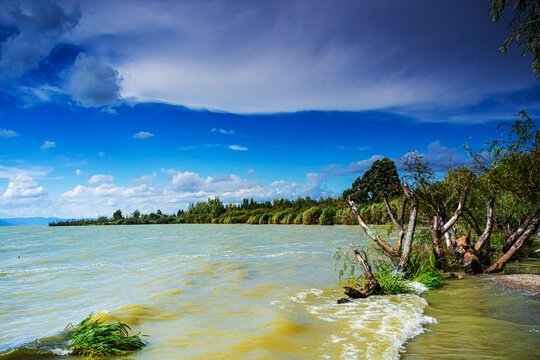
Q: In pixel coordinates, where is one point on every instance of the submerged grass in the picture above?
(92, 338)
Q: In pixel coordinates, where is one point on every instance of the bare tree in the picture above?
(399, 256)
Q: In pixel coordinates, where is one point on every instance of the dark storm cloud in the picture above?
(35, 27)
(254, 56)
(247, 56)
(92, 83)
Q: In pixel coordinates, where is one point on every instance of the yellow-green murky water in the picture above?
(235, 292)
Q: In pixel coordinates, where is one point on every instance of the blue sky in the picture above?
(147, 105)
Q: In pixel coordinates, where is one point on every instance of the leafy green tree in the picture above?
(525, 27)
(216, 207)
(136, 214)
(510, 167)
(382, 176)
(117, 215)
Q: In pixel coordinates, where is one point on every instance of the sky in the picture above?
(150, 105)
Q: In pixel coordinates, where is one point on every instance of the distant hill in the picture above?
(28, 221)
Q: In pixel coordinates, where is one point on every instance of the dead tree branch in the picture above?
(531, 228)
(386, 247)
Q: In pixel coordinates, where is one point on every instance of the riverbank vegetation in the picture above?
(498, 191)
(302, 211)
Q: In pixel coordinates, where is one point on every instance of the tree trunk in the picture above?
(484, 238)
(363, 263)
(510, 240)
(407, 245)
(438, 230)
(371, 286)
(398, 226)
(457, 213)
(386, 247)
(530, 230)
(437, 249)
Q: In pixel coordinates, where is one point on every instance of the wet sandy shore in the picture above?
(529, 282)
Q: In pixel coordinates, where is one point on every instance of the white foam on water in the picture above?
(374, 328)
(301, 296)
(61, 352)
(417, 287)
(287, 253)
(278, 254)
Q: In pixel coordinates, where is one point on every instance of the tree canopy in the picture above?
(525, 27)
(382, 176)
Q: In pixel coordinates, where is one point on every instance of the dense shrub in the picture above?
(298, 218)
(311, 215)
(327, 216)
(345, 217)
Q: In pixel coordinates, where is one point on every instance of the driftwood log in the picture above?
(370, 286)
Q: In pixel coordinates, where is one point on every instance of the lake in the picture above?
(240, 292)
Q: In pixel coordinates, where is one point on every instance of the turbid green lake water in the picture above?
(240, 292)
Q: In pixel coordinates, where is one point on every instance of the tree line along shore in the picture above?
(302, 211)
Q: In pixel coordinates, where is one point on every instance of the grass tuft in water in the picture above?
(391, 282)
(92, 338)
(422, 268)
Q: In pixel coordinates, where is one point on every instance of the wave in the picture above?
(375, 328)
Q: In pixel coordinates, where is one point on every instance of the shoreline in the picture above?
(526, 282)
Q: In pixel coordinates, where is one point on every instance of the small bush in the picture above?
(277, 218)
(311, 216)
(94, 339)
(327, 216)
(288, 218)
(253, 219)
(345, 217)
(265, 219)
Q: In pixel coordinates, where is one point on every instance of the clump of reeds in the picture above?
(392, 283)
(422, 268)
(93, 338)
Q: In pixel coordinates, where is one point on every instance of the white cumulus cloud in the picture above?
(6, 133)
(48, 144)
(100, 179)
(142, 135)
(22, 185)
(223, 131)
(238, 148)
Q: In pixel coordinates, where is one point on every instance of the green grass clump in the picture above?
(392, 283)
(422, 268)
(92, 338)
